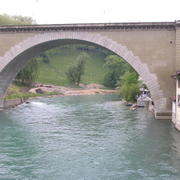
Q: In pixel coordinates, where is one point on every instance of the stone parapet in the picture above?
(91, 26)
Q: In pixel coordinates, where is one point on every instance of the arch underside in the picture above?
(18, 56)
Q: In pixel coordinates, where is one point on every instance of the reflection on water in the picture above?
(86, 138)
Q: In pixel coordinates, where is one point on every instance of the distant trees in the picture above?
(121, 74)
(116, 67)
(75, 71)
(15, 20)
(130, 86)
(28, 75)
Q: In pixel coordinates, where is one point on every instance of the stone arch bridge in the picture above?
(152, 49)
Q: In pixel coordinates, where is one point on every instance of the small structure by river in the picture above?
(144, 98)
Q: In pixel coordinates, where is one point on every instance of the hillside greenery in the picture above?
(54, 64)
(116, 67)
(130, 86)
(76, 71)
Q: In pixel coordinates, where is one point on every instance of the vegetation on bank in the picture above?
(116, 67)
(130, 85)
(16, 92)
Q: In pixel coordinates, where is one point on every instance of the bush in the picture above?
(116, 67)
(130, 86)
(110, 80)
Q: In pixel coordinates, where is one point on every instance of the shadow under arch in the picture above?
(19, 55)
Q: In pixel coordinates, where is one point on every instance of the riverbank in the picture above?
(18, 95)
(89, 89)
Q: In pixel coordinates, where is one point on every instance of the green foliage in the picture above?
(129, 86)
(15, 20)
(76, 71)
(116, 67)
(62, 57)
(28, 75)
(110, 79)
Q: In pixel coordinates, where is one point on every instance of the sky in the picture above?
(93, 11)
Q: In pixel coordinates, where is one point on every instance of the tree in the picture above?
(130, 86)
(116, 67)
(28, 75)
(75, 72)
(15, 20)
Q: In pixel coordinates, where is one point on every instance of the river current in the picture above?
(91, 137)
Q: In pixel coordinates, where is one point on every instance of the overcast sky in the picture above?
(93, 11)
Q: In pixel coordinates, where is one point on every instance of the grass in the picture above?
(54, 72)
(15, 92)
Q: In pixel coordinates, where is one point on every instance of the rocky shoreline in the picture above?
(68, 91)
(71, 91)
(44, 89)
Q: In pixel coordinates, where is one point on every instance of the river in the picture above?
(91, 137)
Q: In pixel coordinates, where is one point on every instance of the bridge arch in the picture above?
(17, 57)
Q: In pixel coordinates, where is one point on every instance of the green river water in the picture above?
(86, 138)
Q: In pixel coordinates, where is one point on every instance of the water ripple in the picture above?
(86, 138)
